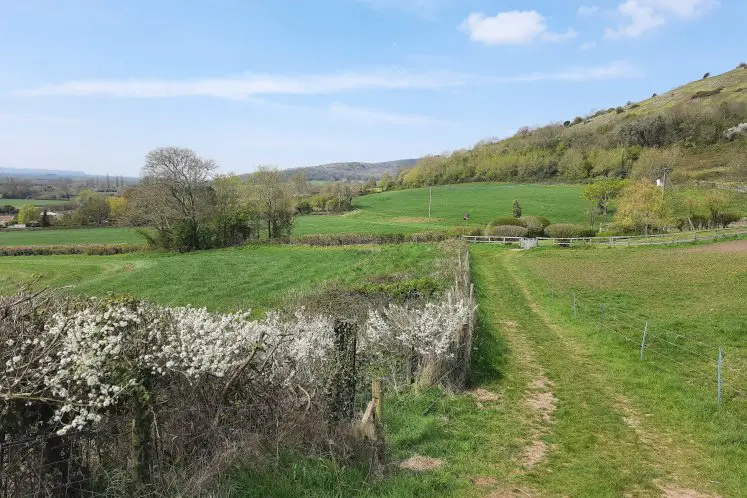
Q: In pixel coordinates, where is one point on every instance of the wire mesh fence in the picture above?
(716, 365)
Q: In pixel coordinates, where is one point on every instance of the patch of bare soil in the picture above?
(484, 481)
(543, 404)
(512, 493)
(734, 246)
(485, 396)
(420, 463)
(129, 267)
(683, 493)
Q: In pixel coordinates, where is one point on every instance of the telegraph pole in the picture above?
(430, 200)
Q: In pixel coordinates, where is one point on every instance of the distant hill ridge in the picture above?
(356, 171)
(40, 173)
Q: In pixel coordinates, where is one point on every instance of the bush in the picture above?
(706, 76)
(508, 220)
(535, 225)
(742, 65)
(619, 110)
(568, 231)
(89, 250)
(706, 93)
(507, 231)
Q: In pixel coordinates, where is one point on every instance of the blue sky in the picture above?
(94, 85)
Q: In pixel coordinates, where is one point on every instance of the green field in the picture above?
(621, 425)
(406, 211)
(70, 236)
(33, 202)
(222, 280)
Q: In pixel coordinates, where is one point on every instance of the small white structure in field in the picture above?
(19, 226)
(659, 182)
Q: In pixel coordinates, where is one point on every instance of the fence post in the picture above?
(643, 342)
(378, 397)
(601, 317)
(720, 363)
(340, 390)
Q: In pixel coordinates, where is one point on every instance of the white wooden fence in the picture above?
(618, 241)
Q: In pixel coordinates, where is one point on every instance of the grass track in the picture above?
(673, 403)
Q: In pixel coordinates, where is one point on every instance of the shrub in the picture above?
(507, 220)
(507, 231)
(516, 209)
(578, 120)
(90, 250)
(568, 231)
(706, 76)
(706, 93)
(619, 110)
(742, 65)
(535, 225)
(635, 106)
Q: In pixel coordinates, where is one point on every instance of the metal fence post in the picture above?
(720, 363)
(643, 342)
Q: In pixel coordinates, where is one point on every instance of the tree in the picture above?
(517, 209)
(641, 208)
(44, 219)
(117, 207)
(602, 191)
(28, 214)
(94, 208)
(175, 194)
(272, 200)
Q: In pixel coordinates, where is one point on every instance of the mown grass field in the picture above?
(257, 277)
(406, 211)
(70, 236)
(33, 202)
(624, 424)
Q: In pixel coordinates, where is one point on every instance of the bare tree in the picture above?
(175, 192)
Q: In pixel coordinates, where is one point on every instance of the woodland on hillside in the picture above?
(697, 132)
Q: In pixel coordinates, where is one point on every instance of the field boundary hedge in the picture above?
(84, 249)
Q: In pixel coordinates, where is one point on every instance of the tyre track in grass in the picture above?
(671, 462)
(578, 442)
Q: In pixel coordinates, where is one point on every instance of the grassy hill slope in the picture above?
(684, 130)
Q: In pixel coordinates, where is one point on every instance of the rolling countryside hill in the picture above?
(694, 130)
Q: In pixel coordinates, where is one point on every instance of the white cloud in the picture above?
(511, 28)
(613, 70)
(646, 15)
(255, 84)
(373, 116)
(587, 11)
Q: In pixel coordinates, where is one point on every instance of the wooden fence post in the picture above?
(340, 392)
(377, 393)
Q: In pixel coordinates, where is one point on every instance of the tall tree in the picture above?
(175, 192)
(272, 199)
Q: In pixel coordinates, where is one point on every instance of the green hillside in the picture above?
(685, 130)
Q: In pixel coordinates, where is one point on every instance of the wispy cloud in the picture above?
(374, 116)
(646, 15)
(511, 28)
(255, 85)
